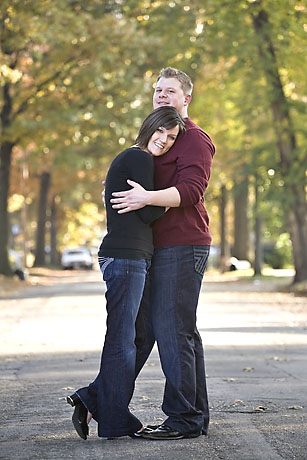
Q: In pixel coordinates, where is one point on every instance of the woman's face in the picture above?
(162, 140)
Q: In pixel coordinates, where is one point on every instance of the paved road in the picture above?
(256, 348)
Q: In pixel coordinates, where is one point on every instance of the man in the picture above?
(182, 242)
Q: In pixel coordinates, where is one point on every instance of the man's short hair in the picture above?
(183, 78)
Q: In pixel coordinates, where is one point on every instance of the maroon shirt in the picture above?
(187, 167)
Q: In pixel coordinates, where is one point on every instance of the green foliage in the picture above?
(81, 74)
(82, 226)
(279, 255)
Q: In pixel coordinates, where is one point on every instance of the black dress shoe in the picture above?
(164, 432)
(147, 429)
(73, 400)
(79, 420)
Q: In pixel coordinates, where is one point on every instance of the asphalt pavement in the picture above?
(255, 339)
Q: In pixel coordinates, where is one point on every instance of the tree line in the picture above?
(76, 81)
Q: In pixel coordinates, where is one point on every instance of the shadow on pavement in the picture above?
(257, 397)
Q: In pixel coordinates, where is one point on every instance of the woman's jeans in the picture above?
(108, 397)
(168, 314)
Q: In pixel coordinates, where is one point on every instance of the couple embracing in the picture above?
(153, 260)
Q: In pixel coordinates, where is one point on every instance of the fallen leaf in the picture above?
(260, 409)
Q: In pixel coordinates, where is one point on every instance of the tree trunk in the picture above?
(5, 166)
(41, 220)
(54, 256)
(258, 254)
(6, 148)
(24, 213)
(241, 234)
(292, 168)
(223, 244)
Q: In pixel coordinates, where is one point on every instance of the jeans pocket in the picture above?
(201, 254)
(104, 262)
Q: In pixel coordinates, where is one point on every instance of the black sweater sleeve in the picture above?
(141, 171)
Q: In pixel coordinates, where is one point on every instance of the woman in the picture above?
(124, 259)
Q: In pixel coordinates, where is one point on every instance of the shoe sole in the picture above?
(153, 437)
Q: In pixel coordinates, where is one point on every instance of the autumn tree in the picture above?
(66, 79)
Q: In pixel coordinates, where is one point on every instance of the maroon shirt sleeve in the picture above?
(194, 166)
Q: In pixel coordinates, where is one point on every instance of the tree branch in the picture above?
(23, 106)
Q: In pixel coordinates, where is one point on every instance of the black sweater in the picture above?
(129, 235)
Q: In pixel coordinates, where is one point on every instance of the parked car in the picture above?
(235, 264)
(15, 261)
(79, 257)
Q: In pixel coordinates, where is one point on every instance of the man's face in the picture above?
(168, 91)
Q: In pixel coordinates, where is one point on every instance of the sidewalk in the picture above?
(256, 348)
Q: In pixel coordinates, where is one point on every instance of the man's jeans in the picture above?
(168, 314)
(108, 397)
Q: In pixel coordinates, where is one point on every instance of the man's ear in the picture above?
(187, 99)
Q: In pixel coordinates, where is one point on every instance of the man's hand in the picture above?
(130, 200)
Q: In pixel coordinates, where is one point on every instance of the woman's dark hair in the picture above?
(163, 117)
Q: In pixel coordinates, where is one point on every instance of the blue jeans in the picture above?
(168, 315)
(108, 397)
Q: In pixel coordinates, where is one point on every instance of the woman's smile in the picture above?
(162, 140)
